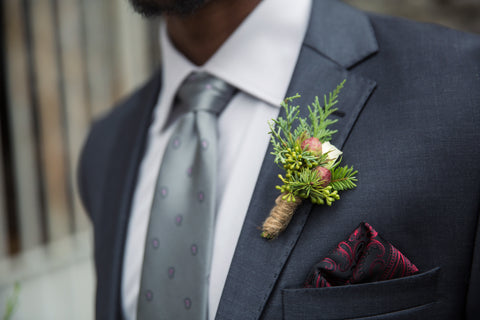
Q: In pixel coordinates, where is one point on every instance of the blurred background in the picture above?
(62, 64)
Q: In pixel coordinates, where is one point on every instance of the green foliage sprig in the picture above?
(343, 178)
(300, 163)
(11, 303)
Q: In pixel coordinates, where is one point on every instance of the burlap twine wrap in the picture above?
(279, 217)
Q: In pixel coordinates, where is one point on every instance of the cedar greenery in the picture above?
(343, 178)
(301, 179)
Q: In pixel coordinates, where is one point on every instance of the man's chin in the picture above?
(152, 8)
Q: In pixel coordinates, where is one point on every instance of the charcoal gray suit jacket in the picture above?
(409, 121)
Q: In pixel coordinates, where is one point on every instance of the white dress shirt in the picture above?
(258, 59)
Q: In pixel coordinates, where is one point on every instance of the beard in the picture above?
(153, 8)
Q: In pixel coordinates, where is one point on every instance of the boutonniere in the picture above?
(311, 162)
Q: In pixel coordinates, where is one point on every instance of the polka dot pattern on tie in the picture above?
(178, 220)
(164, 192)
(194, 249)
(171, 272)
(188, 303)
(204, 144)
(149, 295)
(176, 143)
(179, 239)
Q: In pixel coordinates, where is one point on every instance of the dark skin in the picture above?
(199, 35)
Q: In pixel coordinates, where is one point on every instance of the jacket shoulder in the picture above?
(116, 125)
(420, 37)
(423, 60)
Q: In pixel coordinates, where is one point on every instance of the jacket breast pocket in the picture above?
(403, 298)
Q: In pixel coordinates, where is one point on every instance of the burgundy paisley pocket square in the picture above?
(363, 257)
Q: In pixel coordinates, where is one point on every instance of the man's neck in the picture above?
(199, 35)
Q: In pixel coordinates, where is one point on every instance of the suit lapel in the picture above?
(126, 155)
(330, 48)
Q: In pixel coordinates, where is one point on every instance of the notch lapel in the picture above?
(329, 50)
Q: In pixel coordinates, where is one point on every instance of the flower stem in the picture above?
(279, 217)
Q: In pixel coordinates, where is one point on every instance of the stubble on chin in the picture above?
(154, 8)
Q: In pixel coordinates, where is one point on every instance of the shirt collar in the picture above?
(258, 58)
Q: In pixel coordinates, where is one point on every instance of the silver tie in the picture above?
(178, 248)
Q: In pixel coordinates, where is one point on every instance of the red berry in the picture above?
(313, 145)
(324, 174)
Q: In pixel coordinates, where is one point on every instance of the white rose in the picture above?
(332, 152)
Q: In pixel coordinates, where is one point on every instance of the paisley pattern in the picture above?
(363, 257)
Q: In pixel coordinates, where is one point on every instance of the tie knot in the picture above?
(204, 92)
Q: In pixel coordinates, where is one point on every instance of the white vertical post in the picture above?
(76, 104)
(50, 118)
(131, 45)
(22, 126)
(99, 55)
